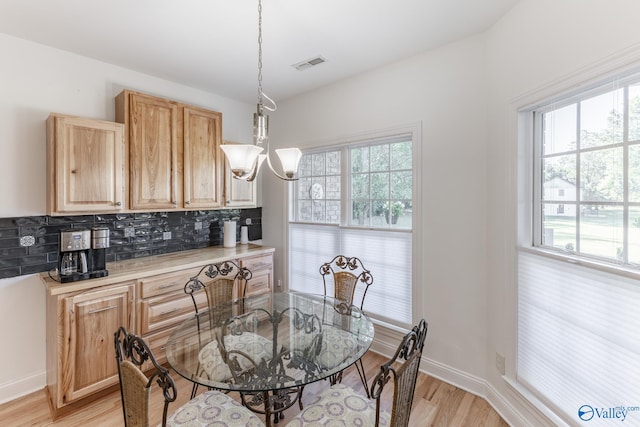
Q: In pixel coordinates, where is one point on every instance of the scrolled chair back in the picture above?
(404, 376)
(345, 273)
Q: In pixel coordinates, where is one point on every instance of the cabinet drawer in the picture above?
(166, 283)
(258, 262)
(166, 311)
(158, 343)
(259, 284)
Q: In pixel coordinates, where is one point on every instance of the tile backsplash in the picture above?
(30, 244)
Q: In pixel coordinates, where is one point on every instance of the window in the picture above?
(589, 161)
(578, 323)
(357, 200)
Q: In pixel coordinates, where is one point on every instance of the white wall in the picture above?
(445, 91)
(34, 81)
(464, 95)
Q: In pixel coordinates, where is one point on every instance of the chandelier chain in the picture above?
(260, 52)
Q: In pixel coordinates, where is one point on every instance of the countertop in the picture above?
(132, 269)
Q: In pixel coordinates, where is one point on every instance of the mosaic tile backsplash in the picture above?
(30, 244)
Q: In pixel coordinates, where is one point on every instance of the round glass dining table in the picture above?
(269, 346)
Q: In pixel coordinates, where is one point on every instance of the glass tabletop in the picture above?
(269, 342)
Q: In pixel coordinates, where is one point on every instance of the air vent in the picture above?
(309, 63)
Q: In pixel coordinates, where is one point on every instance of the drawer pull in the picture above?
(168, 285)
(98, 310)
(164, 313)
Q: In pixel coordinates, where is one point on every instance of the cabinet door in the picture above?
(85, 165)
(153, 151)
(202, 159)
(87, 354)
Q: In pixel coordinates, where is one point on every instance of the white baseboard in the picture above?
(15, 389)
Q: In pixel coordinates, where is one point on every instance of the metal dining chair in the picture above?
(218, 281)
(341, 405)
(344, 274)
(134, 358)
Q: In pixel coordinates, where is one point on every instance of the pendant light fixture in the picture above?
(245, 159)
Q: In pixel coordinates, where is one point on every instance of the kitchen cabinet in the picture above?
(238, 193)
(146, 295)
(261, 267)
(82, 324)
(85, 165)
(174, 156)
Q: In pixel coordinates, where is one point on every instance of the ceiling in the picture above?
(212, 44)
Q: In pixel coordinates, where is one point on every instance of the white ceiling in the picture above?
(212, 44)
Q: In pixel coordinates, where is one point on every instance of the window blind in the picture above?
(579, 340)
(387, 254)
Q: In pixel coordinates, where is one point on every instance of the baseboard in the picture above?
(16, 389)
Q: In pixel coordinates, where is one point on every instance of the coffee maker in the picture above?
(83, 254)
(98, 252)
(74, 251)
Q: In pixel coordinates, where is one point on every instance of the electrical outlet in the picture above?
(129, 232)
(197, 225)
(279, 283)
(166, 235)
(248, 221)
(27, 241)
(500, 363)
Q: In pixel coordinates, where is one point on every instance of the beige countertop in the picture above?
(132, 269)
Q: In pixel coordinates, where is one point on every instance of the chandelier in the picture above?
(245, 159)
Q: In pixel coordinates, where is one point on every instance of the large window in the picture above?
(357, 200)
(589, 174)
(578, 290)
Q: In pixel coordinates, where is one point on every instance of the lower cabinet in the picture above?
(83, 334)
(81, 324)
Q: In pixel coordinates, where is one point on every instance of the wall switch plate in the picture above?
(197, 225)
(166, 235)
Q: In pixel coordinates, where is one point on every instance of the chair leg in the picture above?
(363, 377)
(194, 389)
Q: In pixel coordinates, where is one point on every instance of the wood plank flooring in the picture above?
(436, 404)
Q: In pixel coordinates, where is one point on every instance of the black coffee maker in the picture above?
(98, 252)
(83, 254)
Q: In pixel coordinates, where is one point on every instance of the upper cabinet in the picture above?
(85, 165)
(174, 156)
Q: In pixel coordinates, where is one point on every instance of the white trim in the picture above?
(14, 389)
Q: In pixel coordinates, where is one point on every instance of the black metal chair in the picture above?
(331, 405)
(134, 358)
(344, 274)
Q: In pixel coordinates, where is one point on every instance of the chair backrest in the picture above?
(218, 281)
(132, 352)
(404, 376)
(345, 273)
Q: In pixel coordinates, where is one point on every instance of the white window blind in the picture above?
(387, 254)
(579, 340)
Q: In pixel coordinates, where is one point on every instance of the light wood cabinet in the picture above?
(146, 295)
(261, 267)
(84, 359)
(238, 193)
(174, 156)
(85, 165)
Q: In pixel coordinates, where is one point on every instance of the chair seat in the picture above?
(340, 406)
(337, 345)
(253, 345)
(214, 408)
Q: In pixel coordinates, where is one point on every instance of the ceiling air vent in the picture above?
(309, 63)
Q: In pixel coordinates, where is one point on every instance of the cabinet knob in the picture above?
(187, 202)
(118, 203)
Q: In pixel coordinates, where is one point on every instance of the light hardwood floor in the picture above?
(435, 404)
